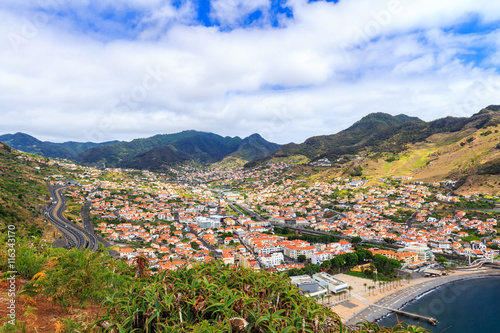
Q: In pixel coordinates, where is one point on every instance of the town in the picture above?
(272, 219)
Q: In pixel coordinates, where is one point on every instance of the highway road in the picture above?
(75, 236)
(250, 212)
(235, 209)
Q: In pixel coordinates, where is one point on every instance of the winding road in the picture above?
(74, 235)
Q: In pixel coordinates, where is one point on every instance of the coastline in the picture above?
(399, 298)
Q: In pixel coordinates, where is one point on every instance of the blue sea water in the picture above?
(460, 307)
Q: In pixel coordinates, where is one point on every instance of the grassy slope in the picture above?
(455, 155)
(348, 141)
(443, 156)
(295, 159)
(230, 162)
(22, 191)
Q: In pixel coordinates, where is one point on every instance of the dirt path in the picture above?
(39, 314)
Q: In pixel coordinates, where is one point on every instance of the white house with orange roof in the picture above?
(128, 253)
(294, 251)
(271, 260)
(265, 248)
(345, 245)
(440, 242)
(228, 259)
(319, 257)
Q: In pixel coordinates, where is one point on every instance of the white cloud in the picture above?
(231, 12)
(335, 62)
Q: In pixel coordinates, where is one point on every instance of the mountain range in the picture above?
(378, 145)
(380, 132)
(155, 153)
(29, 144)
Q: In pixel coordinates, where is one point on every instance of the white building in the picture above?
(328, 281)
(308, 286)
(477, 245)
(128, 253)
(206, 222)
(440, 243)
(342, 245)
(423, 251)
(319, 257)
(294, 252)
(271, 260)
(266, 248)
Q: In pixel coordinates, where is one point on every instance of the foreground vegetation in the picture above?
(209, 297)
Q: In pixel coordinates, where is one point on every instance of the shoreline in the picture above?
(416, 298)
(412, 292)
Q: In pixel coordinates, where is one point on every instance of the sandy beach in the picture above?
(363, 304)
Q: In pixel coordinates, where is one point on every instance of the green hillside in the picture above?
(29, 144)
(200, 146)
(160, 151)
(22, 193)
(348, 141)
(380, 132)
(255, 147)
(463, 149)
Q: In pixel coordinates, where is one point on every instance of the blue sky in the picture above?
(287, 69)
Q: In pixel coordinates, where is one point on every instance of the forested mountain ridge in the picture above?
(155, 153)
(30, 144)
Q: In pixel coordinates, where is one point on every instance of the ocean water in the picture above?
(461, 307)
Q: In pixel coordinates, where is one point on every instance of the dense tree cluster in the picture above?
(360, 256)
(324, 239)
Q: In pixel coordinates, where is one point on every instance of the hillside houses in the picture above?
(175, 222)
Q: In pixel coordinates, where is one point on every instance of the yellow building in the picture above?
(407, 257)
(248, 261)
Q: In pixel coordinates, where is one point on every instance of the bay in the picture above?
(460, 307)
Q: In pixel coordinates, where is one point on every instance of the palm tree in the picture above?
(349, 288)
(141, 265)
(364, 284)
(408, 278)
